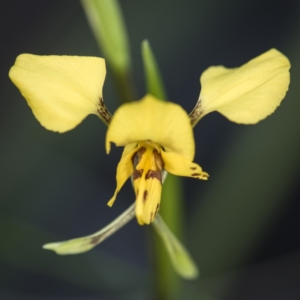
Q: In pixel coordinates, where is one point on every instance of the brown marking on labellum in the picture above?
(137, 174)
(154, 174)
(136, 157)
(145, 195)
(151, 217)
(193, 168)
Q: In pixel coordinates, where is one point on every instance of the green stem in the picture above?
(124, 85)
(106, 21)
(168, 284)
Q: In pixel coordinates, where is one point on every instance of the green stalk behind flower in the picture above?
(108, 26)
(167, 282)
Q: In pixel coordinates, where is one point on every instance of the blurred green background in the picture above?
(242, 226)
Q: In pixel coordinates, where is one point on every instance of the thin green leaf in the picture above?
(180, 258)
(154, 80)
(86, 243)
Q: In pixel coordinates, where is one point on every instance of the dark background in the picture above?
(242, 226)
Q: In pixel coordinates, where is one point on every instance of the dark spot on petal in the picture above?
(196, 113)
(196, 174)
(154, 174)
(103, 111)
(145, 195)
(137, 174)
(136, 157)
(193, 168)
(151, 217)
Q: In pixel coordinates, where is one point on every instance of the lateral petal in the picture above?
(246, 94)
(61, 90)
(124, 170)
(178, 165)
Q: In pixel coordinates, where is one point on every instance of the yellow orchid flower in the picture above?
(157, 136)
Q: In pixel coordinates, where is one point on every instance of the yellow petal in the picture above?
(61, 90)
(247, 94)
(83, 244)
(129, 148)
(124, 170)
(164, 123)
(147, 182)
(180, 166)
(148, 200)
